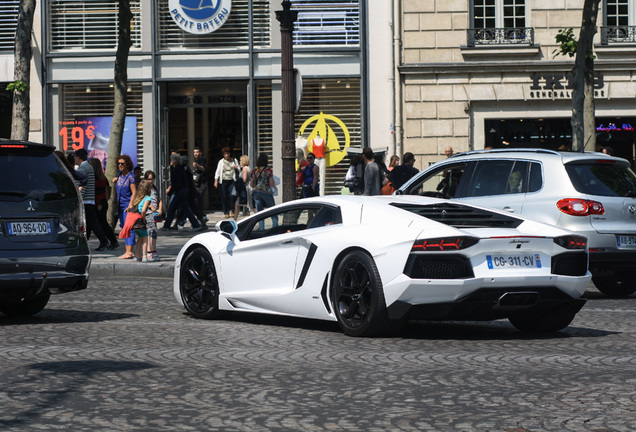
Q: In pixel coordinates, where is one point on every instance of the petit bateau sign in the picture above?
(200, 16)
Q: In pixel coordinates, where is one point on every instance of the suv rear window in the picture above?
(31, 173)
(602, 179)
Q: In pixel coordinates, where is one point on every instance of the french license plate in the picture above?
(626, 241)
(29, 228)
(496, 262)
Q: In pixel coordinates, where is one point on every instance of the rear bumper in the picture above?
(489, 304)
(57, 274)
(611, 261)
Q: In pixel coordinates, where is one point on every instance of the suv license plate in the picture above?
(626, 241)
(496, 262)
(29, 228)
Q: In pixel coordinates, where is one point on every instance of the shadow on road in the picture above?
(62, 316)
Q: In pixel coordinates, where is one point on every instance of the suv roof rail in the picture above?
(508, 150)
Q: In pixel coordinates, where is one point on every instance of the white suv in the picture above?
(590, 193)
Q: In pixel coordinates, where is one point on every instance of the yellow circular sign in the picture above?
(334, 153)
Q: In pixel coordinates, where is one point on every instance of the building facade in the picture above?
(482, 73)
(193, 85)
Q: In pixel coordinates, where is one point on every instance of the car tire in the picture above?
(358, 296)
(199, 285)
(620, 284)
(26, 307)
(544, 322)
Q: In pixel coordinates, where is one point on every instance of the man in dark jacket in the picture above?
(403, 173)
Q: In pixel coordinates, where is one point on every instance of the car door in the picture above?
(263, 263)
(498, 184)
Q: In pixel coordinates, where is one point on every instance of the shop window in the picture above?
(620, 23)
(89, 25)
(235, 32)
(497, 22)
(329, 22)
(8, 24)
(96, 100)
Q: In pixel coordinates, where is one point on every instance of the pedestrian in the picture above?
(142, 204)
(200, 174)
(152, 220)
(79, 178)
(139, 172)
(126, 187)
(262, 182)
(311, 177)
(448, 151)
(354, 179)
(88, 197)
(179, 190)
(372, 180)
(102, 193)
(403, 173)
(241, 185)
(225, 175)
(395, 161)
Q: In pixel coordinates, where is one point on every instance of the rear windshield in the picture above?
(35, 174)
(602, 179)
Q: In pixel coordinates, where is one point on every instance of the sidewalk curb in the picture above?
(138, 269)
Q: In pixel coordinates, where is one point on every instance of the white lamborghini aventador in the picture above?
(371, 263)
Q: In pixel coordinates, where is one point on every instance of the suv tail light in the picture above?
(580, 207)
(444, 244)
(571, 242)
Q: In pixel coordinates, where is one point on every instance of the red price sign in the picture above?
(77, 134)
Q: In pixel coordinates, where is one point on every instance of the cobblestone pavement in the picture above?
(122, 356)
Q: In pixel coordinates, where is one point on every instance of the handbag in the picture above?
(388, 189)
(140, 224)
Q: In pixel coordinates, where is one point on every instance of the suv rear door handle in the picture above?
(508, 209)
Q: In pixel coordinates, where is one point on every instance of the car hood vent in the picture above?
(462, 216)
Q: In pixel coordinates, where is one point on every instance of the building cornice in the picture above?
(510, 66)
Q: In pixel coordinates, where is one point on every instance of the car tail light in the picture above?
(12, 146)
(444, 244)
(580, 207)
(571, 242)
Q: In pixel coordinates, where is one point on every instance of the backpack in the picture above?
(356, 184)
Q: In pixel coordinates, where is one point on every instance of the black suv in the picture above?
(43, 246)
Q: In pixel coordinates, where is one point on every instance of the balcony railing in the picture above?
(618, 34)
(500, 36)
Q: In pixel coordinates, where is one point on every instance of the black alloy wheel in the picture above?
(620, 284)
(24, 307)
(198, 284)
(543, 322)
(358, 296)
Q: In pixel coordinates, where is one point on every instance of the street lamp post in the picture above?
(287, 17)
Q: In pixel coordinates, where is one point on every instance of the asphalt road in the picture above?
(122, 356)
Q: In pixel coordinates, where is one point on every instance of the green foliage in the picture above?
(18, 85)
(567, 43)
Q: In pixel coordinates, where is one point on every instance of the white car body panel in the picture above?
(263, 275)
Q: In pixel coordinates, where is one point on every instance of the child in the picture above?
(142, 203)
(151, 223)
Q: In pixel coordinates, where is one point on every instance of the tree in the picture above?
(120, 97)
(22, 72)
(583, 120)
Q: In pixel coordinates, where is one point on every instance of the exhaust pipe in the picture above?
(517, 300)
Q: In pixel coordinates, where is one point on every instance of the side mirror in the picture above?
(227, 226)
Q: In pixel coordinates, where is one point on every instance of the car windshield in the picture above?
(602, 179)
(34, 174)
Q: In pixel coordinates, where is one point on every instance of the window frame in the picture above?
(499, 14)
(247, 227)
